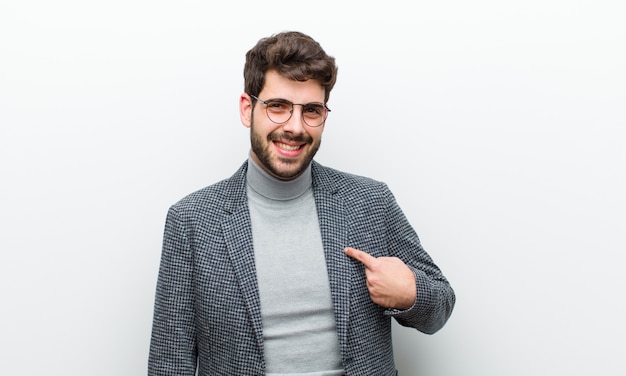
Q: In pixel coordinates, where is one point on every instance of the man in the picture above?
(289, 267)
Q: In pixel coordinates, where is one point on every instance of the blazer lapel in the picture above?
(332, 218)
(238, 237)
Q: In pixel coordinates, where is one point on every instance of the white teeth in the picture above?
(288, 147)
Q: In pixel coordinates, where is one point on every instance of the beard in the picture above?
(281, 167)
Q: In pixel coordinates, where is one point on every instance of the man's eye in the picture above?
(314, 109)
(278, 106)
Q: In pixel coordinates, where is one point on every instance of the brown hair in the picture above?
(293, 55)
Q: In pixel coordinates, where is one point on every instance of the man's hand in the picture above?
(390, 282)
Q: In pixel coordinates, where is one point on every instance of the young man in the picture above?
(289, 267)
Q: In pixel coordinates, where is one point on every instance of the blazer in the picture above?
(207, 308)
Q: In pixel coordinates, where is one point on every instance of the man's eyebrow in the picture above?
(288, 101)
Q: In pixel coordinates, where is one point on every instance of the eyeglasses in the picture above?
(279, 111)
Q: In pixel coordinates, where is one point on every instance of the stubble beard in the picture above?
(281, 168)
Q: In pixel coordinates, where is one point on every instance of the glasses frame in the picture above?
(302, 106)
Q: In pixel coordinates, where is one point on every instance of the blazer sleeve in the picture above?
(435, 297)
(173, 343)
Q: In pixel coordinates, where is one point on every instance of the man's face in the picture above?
(283, 150)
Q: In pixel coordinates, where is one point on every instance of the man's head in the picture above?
(291, 71)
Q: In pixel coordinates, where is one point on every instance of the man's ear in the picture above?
(245, 110)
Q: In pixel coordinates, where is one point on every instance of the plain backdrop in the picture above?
(500, 127)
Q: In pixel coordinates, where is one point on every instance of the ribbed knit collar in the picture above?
(268, 186)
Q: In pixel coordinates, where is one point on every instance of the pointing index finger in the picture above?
(363, 257)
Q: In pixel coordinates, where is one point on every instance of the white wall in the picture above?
(500, 126)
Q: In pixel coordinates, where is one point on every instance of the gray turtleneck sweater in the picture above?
(296, 306)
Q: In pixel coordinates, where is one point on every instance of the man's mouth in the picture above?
(288, 147)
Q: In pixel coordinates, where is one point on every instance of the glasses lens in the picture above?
(279, 111)
(314, 114)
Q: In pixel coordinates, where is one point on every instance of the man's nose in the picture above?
(295, 124)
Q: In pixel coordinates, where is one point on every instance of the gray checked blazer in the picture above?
(207, 307)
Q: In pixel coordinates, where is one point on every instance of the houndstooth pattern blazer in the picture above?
(207, 309)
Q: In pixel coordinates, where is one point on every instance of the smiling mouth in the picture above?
(288, 147)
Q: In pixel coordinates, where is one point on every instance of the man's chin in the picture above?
(288, 171)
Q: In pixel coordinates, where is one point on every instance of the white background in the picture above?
(499, 125)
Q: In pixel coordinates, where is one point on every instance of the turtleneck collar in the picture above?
(270, 187)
